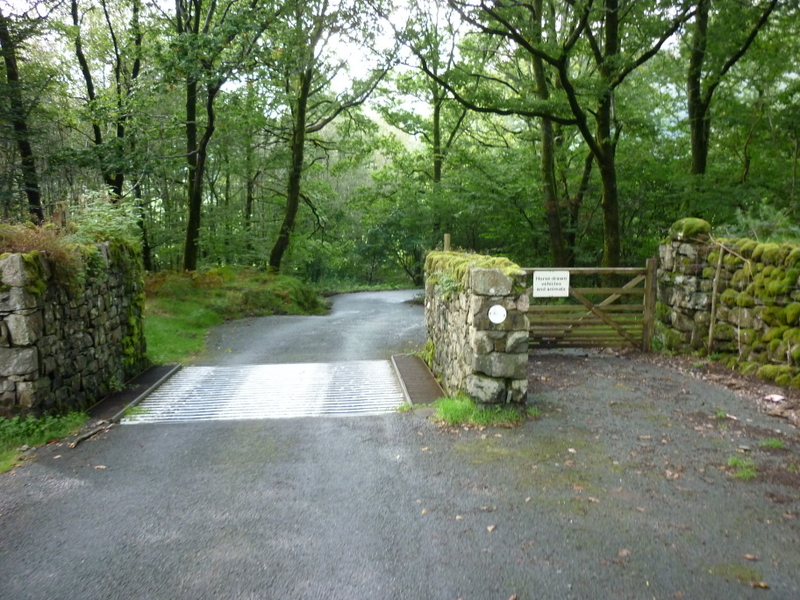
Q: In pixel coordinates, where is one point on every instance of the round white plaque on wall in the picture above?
(497, 314)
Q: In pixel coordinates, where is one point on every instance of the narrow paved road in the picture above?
(620, 491)
(363, 326)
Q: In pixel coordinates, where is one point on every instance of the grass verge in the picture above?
(34, 431)
(181, 307)
(461, 410)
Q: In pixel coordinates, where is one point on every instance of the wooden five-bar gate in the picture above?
(621, 314)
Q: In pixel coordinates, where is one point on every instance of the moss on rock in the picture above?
(748, 368)
(792, 312)
(729, 297)
(690, 228)
(457, 265)
(746, 247)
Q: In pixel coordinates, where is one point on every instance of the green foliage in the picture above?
(428, 352)
(34, 431)
(461, 410)
(101, 220)
(181, 307)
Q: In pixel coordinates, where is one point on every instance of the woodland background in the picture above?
(338, 140)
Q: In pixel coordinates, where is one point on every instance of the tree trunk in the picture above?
(699, 125)
(606, 143)
(298, 143)
(29, 176)
(193, 220)
(438, 157)
(197, 168)
(548, 154)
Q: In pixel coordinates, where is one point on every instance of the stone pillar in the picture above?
(484, 357)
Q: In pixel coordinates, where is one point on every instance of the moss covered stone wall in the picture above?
(66, 346)
(468, 352)
(750, 289)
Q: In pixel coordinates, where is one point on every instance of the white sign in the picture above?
(497, 314)
(550, 284)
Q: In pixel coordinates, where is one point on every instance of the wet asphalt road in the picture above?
(363, 326)
(582, 503)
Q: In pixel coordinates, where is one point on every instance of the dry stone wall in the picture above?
(471, 354)
(750, 291)
(63, 347)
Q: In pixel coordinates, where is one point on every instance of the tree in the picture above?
(599, 45)
(212, 43)
(18, 114)
(306, 72)
(712, 55)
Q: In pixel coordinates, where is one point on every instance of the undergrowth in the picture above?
(34, 431)
(462, 410)
(181, 307)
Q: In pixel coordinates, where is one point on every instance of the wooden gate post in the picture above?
(649, 314)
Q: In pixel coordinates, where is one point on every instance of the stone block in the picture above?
(485, 390)
(665, 255)
(524, 302)
(519, 390)
(741, 317)
(699, 301)
(26, 394)
(5, 340)
(18, 361)
(500, 364)
(490, 282)
(17, 298)
(25, 328)
(689, 250)
(13, 271)
(517, 342)
(681, 322)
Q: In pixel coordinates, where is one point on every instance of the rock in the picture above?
(13, 271)
(25, 328)
(490, 282)
(485, 390)
(18, 361)
(503, 365)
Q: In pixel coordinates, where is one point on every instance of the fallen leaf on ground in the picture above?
(624, 552)
(425, 449)
(459, 517)
(513, 597)
(424, 511)
(572, 450)
(644, 437)
(750, 556)
(100, 467)
(593, 500)
(670, 475)
(491, 528)
(640, 509)
(759, 584)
